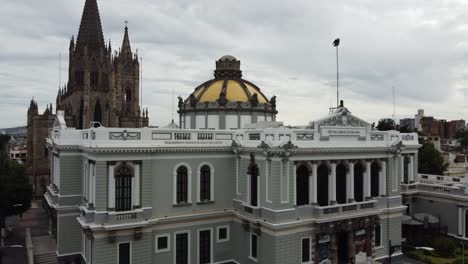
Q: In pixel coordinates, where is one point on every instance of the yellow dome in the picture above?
(235, 90)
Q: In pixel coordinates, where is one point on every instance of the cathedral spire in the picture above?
(90, 34)
(126, 49)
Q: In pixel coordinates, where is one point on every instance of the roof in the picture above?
(228, 85)
(90, 33)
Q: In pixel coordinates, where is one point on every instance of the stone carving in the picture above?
(263, 145)
(273, 102)
(407, 137)
(222, 99)
(342, 120)
(398, 148)
(288, 146)
(254, 100)
(377, 137)
(125, 135)
(193, 100)
(181, 102)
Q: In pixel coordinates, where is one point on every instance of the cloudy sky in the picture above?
(420, 47)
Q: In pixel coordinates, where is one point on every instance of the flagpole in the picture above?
(337, 79)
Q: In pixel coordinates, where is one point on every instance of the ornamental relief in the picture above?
(343, 120)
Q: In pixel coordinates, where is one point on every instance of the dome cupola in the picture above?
(227, 101)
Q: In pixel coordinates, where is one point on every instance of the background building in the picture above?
(102, 87)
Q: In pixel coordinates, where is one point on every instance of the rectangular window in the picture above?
(255, 136)
(253, 247)
(162, 243)
(223, 233)
(378, 235)
(124, 253)
(306, 250)
(181, 249)
(204, 247)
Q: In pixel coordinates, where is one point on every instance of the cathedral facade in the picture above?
(103, 87)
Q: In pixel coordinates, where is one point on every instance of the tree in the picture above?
(430, 160)
(462, 137)
(15, 189)
(386, 124)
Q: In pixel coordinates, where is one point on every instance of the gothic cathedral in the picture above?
(102, 87)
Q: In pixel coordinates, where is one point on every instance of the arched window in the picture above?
(182, 185)
(406, 162)
(205, 183)
(123, 188)
(341, 183)
(81, 117)
(322, 185)
(97, 112)
(128, 99)
(302, 185)
(375, 179)
(358, 182)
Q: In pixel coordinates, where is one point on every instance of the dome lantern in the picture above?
(228, 67)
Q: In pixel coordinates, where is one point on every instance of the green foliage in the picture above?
(15, 189)
(462, 137)
(386, 124)
(430, 160)
(445, 247)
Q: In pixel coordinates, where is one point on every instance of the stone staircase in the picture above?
(48, 258)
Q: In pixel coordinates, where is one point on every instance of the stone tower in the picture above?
(101, 87)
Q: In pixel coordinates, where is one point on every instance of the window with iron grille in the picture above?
(182, 185)
(305, 250)
(205, 183)
(378, 235)
(182, 248)
(204, 247)
(253, 246)
(123, 189)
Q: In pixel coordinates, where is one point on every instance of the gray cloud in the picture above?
(418, 47)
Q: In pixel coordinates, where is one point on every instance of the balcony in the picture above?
(91, 217)
(310, 212)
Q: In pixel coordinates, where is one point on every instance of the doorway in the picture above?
(343, 249)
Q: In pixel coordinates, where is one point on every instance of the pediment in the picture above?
(341, 118)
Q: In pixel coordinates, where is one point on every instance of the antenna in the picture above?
(394, 115)
(172, 104)
(141, 91)
(60, 69)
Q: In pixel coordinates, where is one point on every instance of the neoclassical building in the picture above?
(328, 192)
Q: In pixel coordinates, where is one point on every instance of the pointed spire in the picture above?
(90, 34)
(126, 49)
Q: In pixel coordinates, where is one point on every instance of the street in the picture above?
(36, 219)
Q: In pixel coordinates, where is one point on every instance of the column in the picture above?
(111, 188)
(411, 169)
(333, 184)
(402, 169)
(313, 185)
(351, 183)
(367, 186)
(136, 186)
(383, 178)
(460, 221)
